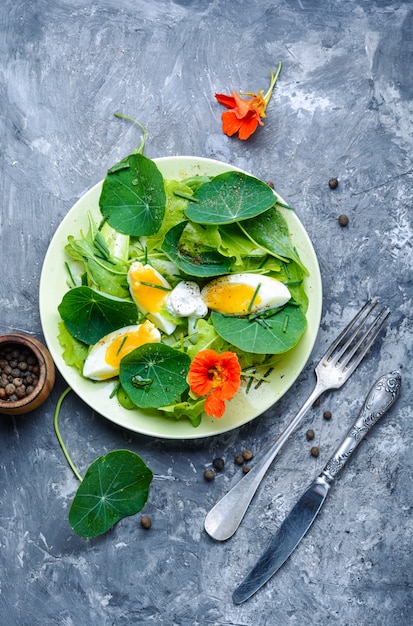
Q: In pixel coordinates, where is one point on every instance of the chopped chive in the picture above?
(293, 282)
(124, 340)
(284, 206)
(184, 194)
(142, 282)
(249, 384)
(146, 256)
(70, 273)
(285, 324)
(254, 297)
(264, 314)
(263, 379)
(115, 390)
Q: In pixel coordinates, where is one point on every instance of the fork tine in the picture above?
(370, 335)
(352, 337)
(328, 353)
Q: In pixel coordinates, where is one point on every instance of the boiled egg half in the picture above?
(103, 361)
(150, 290)
(244, 294)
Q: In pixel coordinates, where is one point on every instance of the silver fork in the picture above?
(334, 368)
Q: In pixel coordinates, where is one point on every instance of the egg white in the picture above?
(103, 360)
(244, 294)
(151, 301)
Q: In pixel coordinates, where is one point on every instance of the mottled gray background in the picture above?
(342, 107)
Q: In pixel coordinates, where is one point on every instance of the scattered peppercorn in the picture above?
(19, 373)
(247, 455)
(333, 183)
(246, 469)
(314, 451)
(270, 184)
(327, 415)
(310, 434)
(218, 464)
(146, 522)
(317, 402)
(239, 459)
(343, 220)
(209, 475)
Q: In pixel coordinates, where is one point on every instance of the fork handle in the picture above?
(224, 518)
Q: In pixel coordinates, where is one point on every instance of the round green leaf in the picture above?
(154, 375)
(133, 197)
(89, 315)
(262, 335)
(270, 232)
(230, 197)
(114, 486)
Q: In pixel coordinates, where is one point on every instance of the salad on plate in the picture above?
(184, 293)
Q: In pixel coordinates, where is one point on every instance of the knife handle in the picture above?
(379, 399)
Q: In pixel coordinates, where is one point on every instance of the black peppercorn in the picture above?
(146, 522)
(247, 455)
(314, 451)
(209, 475)
(239, 459)
(309, 434)
(333, 183)
(246, 469)
(327, 415)
(343, 220)
(218, 464)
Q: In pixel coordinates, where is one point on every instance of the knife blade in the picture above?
(380, 398)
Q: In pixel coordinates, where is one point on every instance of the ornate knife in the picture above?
(380, 398)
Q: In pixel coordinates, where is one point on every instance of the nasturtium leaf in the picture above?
(115, 486)
(133, 197)
(206, 263)
(154, 375)
(270, 231)
(266, 335)
(230, 197)
(89, 315)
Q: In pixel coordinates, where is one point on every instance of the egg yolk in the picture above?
(149, 297)
(231, 299)
(121, 346)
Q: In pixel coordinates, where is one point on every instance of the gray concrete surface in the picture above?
(343, 108)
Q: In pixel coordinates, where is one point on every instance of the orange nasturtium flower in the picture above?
(245, 114)
(216, 376)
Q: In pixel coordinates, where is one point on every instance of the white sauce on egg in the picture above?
(185, 301)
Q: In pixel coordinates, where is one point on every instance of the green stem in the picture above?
(142, 127)
(59, 437)
(274, 78)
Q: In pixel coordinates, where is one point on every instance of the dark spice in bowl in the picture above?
(27, 373)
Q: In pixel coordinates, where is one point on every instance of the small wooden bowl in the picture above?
(46, 375)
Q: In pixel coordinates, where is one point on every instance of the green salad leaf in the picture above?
(115, 486)
(133, 196)
(188, 409)
(262, 334)
(74, 351)
(203, 264)
(89, 315)
(154, 375)
(270, 231)
(230, 197)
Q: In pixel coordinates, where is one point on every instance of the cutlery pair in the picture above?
(333, 370)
